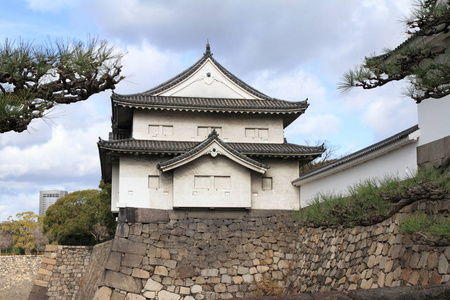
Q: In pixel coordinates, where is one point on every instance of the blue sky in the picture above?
(287, 49)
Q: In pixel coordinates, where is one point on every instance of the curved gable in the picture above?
(213, 146)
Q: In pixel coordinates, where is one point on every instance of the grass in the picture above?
(366, 201)
(429, 225)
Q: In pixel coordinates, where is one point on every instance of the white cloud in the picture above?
(145, 66)
(313, 128)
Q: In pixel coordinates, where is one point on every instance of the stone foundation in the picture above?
(434, 154)
(160, 254)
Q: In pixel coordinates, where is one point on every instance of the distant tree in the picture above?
(5, 241)
(39, 239)
(328, 156)
(35, 78)
(82, 217)
(21, 230)
(424, 59)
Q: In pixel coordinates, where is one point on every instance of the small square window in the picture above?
(222, 182)
(153, 182)
(266, 183)
(202, 131)
(263, 133)
(167, 130)
(153, 130)
(202, 182)
(249, 132)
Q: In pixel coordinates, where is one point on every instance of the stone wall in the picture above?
(159, 254)
(93, 275)
(17, 275)
(61, 272)
(434, 154)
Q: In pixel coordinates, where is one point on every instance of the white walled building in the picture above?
(47, 198)
(203, 139)
(394, 156)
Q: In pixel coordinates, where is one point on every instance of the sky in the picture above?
(291, 50)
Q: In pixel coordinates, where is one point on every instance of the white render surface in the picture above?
(235, 195)
(434, 119)
(282, 195)
(134, 190)
(399, 162)
(208, 81)
(186, 126)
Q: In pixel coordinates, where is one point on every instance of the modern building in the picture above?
(47, 198)
(204, 140)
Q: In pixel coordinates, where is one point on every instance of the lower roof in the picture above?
(114, 148)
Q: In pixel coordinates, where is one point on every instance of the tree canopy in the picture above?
(81, 218)
(423, 59)
(35, 78)
(22, 230)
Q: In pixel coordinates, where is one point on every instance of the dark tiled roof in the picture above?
(175, 147)
(273, 106)
(188, 72)
(212, 137)
(360, 153)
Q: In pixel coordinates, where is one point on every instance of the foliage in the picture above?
(81, 218)
(369, 201)
(35, 78)
(423, 62)
(428, 225)
(21, 230)
(328, 156)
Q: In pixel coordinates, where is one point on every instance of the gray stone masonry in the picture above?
(220, 255)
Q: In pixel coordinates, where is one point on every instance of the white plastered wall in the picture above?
(434, 119)
(133, 183)
(399, 162)
(185, 126)
(186, 195)
(283, 194)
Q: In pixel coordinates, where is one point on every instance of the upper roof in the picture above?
(206, 86)
(359, 155)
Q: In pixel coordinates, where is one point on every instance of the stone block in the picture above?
(103, 293)
(51, 248)
(170, 263)
(131, 296)
(49, 261)
(114, 261)
(122, 230)
(152, 285)
(196, 289)
(117, 296)
(139, 273)
(143, 215)
(126, 246)
(161, 270)
(210, 272)
(443, 264)
(121, 281)
(132, 260)
(185, 271)
(165, 295)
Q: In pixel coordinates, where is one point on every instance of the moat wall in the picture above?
(159, 254)
(17, 274)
